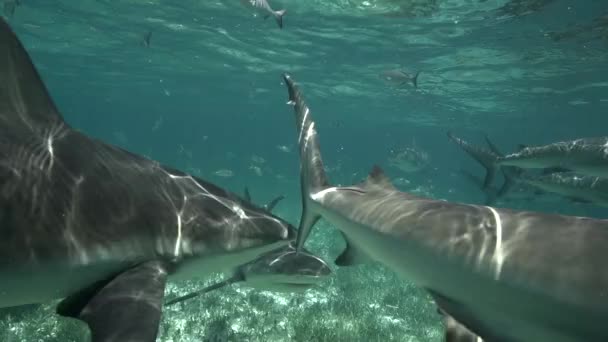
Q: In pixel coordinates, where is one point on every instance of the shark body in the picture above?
(501, 274)
(588, 156)
(100, 226)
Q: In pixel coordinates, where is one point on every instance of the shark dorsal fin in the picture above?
(377, 179)
(25, 103)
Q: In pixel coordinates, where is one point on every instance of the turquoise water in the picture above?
(206, 97)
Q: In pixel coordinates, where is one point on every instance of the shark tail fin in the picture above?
(312, 172)
(415, 79)
(484, 157)
(493, 147)
(278, 16)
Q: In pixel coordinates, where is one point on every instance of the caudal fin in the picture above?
(415, 79)
(493, 147)
(278, 16)
(485, 157)
(312, 173)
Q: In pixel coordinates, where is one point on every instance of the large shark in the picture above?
(102, 226)
(587, 156)
(281, 270)
(504, 275)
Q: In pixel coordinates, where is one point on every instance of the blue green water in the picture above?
(207, 96)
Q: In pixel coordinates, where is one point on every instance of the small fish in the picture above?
(157, 123)
(401, 181)
(400, 77)
(224, 173)
(146, 40)
(258, 159)
(256, 169)
(263, 7)
(409, 159)
(283, 148)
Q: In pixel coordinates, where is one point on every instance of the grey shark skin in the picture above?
(483, 156)
(572, 185)
(587, 156)
(102, 226)
(487, 158)
(517, 194)
(282, 270)
(285, 270)
(504, 275)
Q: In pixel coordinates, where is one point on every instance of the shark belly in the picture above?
(45, 282)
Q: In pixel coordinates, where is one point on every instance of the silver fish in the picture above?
(263, 8)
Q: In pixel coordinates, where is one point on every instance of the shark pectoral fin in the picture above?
(489, 178)
(125, 308)
(506, 186)
(351, 256)
(270, 205)
(455, 331)
(463, 319)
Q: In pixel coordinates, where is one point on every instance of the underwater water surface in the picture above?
(205, 96)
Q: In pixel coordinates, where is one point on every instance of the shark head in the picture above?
(227, 230)
(285, 270)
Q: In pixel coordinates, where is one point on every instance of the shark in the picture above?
(580, 188)
(281, 270)
(518, 194)
(100, 227)
(588, 156)
(502, 275)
